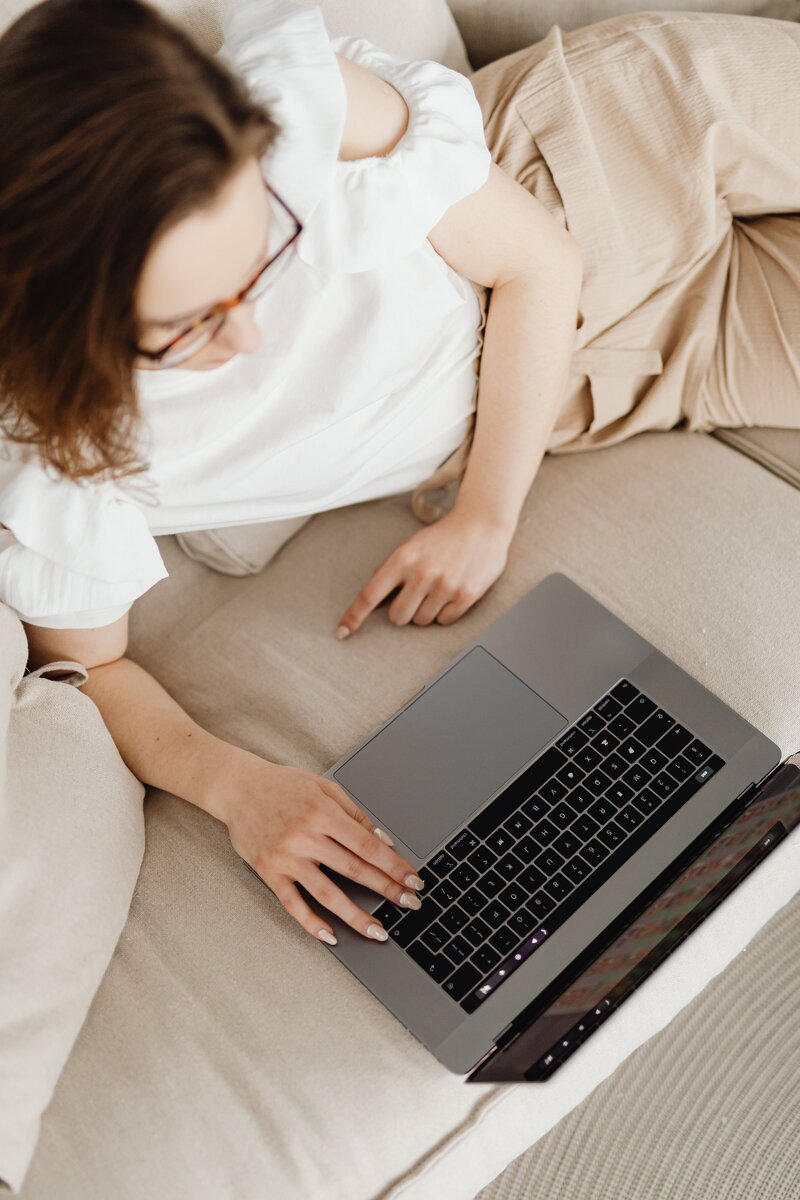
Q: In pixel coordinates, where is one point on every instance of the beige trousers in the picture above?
(668, 143)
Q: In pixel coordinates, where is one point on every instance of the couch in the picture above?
(176, 1034)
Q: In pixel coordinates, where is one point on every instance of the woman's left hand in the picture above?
(444, 568)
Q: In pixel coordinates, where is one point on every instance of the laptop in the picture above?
(576, 804)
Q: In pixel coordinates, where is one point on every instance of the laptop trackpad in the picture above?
(432, 766)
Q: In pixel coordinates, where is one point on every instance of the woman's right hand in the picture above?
(285, 821)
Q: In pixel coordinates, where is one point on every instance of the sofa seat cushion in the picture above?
(776, 449)
(227, 1053)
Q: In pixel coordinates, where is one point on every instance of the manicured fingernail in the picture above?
(414, 881)
(342, 632)
(384, 837)
(327, 937)
(409, 900)
(375, 931)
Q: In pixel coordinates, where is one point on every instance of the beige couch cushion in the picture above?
(227, 1053)
(72, 838)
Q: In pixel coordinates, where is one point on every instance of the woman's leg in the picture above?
(240, 549)
(668, 144)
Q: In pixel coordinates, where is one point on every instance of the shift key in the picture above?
(415, 922)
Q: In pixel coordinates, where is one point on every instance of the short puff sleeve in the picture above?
(380, 208)
(72, 555)
(283, 52)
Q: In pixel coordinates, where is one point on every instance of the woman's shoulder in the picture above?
(71, 552)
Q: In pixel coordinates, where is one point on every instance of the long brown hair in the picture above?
(115, 126)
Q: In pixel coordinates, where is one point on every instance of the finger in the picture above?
(336, 856)
(432, 605)
(296, 907)
(331, 896)
(454, 611)
(355, 830)
(413, 594)
(385, 578)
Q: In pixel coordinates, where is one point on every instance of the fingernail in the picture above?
(384, 837)
(414, 881)
(375, 931)
(342, 632)
(327, 937)
(409, 900)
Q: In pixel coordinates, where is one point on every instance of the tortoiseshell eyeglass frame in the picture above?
(222, 309)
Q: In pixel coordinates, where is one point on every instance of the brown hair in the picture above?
(115, 126)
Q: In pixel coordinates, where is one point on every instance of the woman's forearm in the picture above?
(157, 740)
(527, 349)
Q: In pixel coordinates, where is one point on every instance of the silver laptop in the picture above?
(576, 803)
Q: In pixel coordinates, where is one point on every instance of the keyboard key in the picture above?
(604, 743)
(427, 876)
(549, 861)
(435, 936)
(518, 824)
(608, 707)
(581, 798)
(500, 840)
(570, 775)
(435, 965)
(594, 852)
(463, 981)
(571, 741)
(673, 742)
(503, 939)
(619, 792)
(458, 950)
(526, 849)
(522, 922)
(535, 807)
(708, 769)
(485, 958)
(442, 864)
(629, 817)
(576, 869)
(602, 810)
(631, 749)
(559, 886)
(621, 726)
(513, 896)
(540, 905)
(681, 768)
(568, 843)
(495, 914)
(545, 832)
(663, 785)
(472, 901)
(415, 923)
(481, 858)
(476, 932)
(597, 782)
(588, 758)
(696, 752)
(444, 893)
(591, 724)
(454, 919)
(531, 879)
(654, 727)
(491, 883)
(462, 843)
(614, 766)
(612, 835)
(646, 801)
(636, 777)
(552, 790)
(509, 866)
(624, 691)
(464, 875)
(388, 914)
(585, 827)
(639, 709)
(562, 815)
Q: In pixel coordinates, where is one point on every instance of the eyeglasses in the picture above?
(204, 328)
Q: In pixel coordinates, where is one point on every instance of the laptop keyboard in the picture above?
(538, 851)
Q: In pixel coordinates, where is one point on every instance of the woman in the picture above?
(235, 308)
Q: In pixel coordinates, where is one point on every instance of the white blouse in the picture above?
(363, 382)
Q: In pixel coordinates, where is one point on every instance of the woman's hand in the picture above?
(445, 568)
(286, 821)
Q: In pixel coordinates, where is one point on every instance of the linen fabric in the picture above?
(365, 377)
(665, 142)
(72, 839)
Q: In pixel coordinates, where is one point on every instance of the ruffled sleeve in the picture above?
(380, 208)
(72, 556)
(283, 51)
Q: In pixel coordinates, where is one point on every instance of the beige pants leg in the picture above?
(240, 549)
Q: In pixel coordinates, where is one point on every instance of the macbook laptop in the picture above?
(576, 803)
